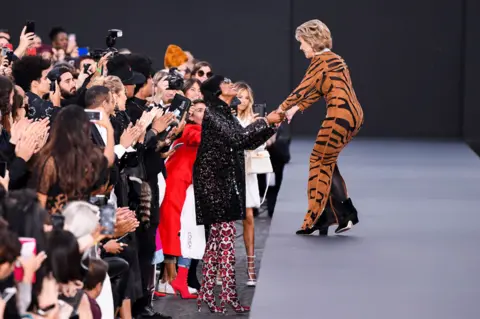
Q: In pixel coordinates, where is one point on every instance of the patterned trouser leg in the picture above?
(210, 266)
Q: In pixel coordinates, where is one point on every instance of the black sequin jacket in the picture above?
(219, 170)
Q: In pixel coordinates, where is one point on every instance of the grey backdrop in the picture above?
(409, 59)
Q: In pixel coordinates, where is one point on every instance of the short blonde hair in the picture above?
(316, 34)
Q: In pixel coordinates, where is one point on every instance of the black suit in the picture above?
(153, 165)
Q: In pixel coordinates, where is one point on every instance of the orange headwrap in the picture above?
(174, 57)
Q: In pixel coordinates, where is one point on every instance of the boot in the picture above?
(179, 284)
(349, 217)
(209, 272)
(227, 263)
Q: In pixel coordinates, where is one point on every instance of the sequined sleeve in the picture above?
(235, 135)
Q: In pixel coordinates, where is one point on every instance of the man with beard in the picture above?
(68, 88)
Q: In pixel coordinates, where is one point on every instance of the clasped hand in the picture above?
(275, 117)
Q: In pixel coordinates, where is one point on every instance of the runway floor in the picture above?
(414, 254)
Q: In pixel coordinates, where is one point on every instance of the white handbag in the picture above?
(258, 162)
(192, 236)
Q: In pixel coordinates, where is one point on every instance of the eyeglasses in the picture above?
(201, 73)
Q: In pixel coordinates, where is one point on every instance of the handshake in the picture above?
(275, 117)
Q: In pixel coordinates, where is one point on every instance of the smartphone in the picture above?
(30, 24)
(179, 106)
(29, 248)
(58, 221)
(8, 293)
(94, 115)
(99, 200)
(5, 50)
(176, 146)
(86, 66)
(3, 168)
(107, 219)
(260, 109)
(83, 51)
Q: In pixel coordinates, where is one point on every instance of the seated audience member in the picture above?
(97, 272)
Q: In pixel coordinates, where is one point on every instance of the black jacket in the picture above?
(219, 170)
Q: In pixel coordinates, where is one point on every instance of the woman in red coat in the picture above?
(179, 177)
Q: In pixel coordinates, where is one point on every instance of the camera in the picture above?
(111, 40)
(175, 80)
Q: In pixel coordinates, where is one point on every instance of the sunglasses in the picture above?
(201, 73)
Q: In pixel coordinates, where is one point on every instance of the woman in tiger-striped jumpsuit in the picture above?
(327, 76)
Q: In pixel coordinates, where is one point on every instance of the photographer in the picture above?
(30, 74)
(166, 85)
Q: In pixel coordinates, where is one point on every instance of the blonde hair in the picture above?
(157, 97)
(111, 82)
(248, 112)
(316, 34)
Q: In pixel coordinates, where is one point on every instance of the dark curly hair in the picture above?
(29, 69)
(6, 88)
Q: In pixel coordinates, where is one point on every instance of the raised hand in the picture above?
(160, 124)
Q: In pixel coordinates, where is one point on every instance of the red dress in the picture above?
(179, 177)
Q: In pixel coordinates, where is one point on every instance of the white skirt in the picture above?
(252, 191)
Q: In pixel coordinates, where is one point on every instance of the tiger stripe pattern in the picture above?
(327, 76)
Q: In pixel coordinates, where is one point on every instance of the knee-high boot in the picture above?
(227, 263)
(209, 272)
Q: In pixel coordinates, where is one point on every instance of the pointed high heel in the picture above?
(210, 302)
(179, 284)
(350, 219)
(209, 272)
(252, 277)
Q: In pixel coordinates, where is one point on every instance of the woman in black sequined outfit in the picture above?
(219, 185)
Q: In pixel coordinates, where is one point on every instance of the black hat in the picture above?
(141, 64)
(119, 66)
(211, 87)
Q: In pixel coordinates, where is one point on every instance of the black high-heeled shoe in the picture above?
(350, 219)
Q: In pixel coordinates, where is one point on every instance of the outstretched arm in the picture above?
(236, 136)
(306, 92)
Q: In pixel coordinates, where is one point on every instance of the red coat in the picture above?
(179, 177)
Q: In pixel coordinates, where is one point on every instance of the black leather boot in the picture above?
(349, 218)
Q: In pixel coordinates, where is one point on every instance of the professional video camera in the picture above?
(175, 80)
(111, 40)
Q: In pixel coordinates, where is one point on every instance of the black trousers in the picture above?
(146, 249)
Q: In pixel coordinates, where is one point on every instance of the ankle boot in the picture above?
(179, 284)
(349, 216)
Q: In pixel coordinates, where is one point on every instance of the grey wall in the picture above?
(405, 56)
